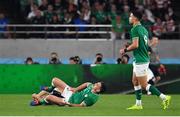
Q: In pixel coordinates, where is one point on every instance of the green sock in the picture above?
(154, 90)
(43, 102)
(50, 89)
(138, 94)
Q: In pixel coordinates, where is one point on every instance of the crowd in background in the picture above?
(54, 59)
(99, 58)
(158, 16)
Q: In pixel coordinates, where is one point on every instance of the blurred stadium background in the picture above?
(88, 33)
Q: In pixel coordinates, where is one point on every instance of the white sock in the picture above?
(46, 100)
(148, 87)
(52, 83)
(148, 92)
(138, 102)
(137, 87)
(162, 96)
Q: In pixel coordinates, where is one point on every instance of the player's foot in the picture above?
(166, 102)
(135, 107)
(43, 88)
(148, 93)
(34, 103)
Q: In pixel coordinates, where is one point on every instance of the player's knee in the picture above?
(144, 85)
(55, 79)
(33, 95)
(135, 82)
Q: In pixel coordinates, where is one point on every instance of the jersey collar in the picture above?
(137, 24)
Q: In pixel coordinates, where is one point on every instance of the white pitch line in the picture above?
(159, 84)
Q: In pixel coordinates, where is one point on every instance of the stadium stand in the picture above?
(159, 15)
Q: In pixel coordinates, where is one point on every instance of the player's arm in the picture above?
(81, 87)
(134, 45)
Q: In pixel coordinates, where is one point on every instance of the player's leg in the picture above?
(56, 82)
(40, 95)
(37, 98)
(138, 93)
(137, 86)
(143, 81)
(55, 100)
(138, 90)
(151, 82)
(142, 76)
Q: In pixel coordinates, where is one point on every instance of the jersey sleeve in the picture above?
(134, 34)
(88, 101)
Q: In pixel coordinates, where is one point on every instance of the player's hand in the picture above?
(122, 52)
(67, 103)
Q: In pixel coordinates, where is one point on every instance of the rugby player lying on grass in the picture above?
(62, 94)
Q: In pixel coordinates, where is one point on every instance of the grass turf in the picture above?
(108, 105)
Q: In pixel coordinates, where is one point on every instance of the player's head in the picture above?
(154, 41)
(54, 55)
(125, 59)
(29, 60)
(134, 17)
(99, 87)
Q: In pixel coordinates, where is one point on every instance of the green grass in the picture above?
(108, 105)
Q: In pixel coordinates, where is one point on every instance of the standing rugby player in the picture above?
(139, 46)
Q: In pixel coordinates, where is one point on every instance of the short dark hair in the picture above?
(103, 87)
(137, 14)
(99, 54)
(71, 58)
(127, 56)
(54, 53)
(77, 59)
(118, 61)
(29, 59)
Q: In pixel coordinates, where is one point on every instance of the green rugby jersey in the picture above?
(86, 96)
(141, 53)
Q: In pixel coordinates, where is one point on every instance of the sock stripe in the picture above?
(148, 87)
(137, 87)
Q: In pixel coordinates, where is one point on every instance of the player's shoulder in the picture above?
(89, 85)
(139, 27)
(136, 28)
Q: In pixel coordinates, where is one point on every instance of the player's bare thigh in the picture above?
(135, 80)
(143, 81)
(55, 100)
(58, 83)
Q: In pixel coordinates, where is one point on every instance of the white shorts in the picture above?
(150, 75)
(67, 93)
(140, 70)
